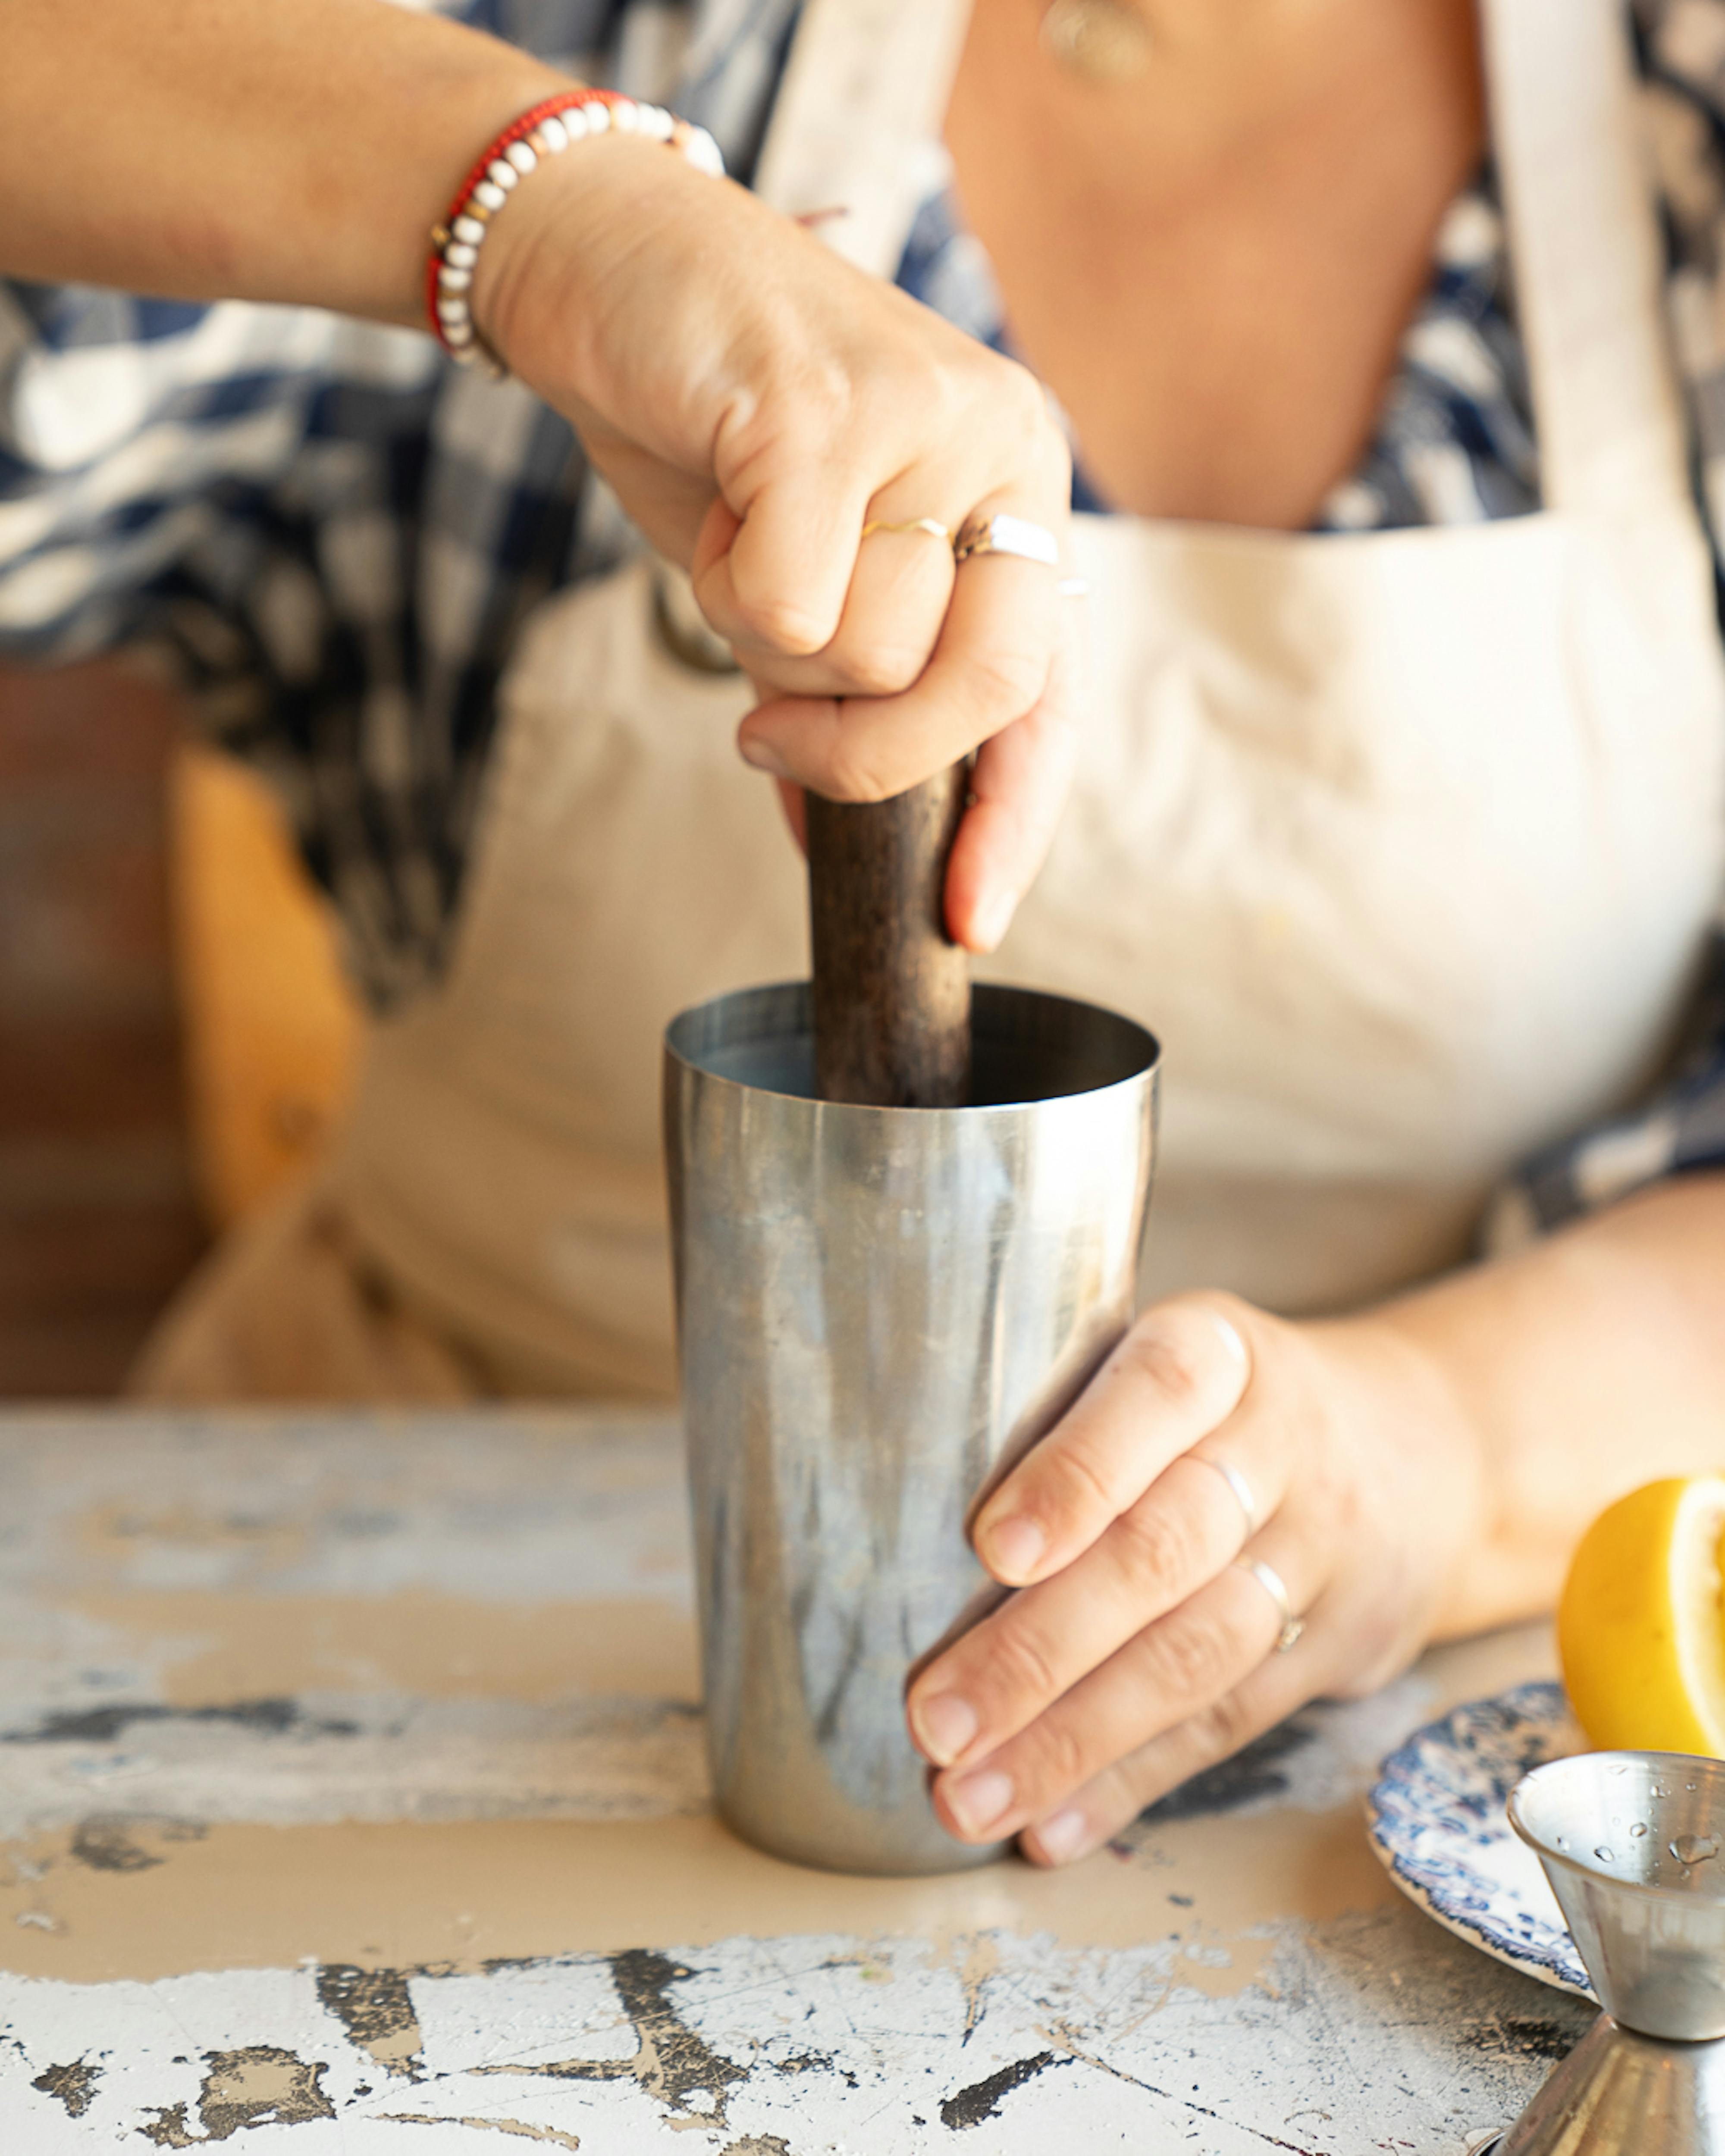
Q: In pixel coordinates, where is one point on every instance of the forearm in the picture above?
(276, 150)
(1588, 1364)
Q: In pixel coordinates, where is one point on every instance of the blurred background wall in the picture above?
(176, 1039)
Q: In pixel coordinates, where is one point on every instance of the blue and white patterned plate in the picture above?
(1438, 1824)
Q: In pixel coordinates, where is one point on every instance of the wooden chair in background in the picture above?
(271, 1024)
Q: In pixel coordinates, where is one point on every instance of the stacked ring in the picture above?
(1273, 1584)
(931, 526)
(1001, 534)
(996, 534)
(1238, 1484)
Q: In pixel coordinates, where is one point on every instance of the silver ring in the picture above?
(1271, 1580)
(1001, 534)
(1238, 1484)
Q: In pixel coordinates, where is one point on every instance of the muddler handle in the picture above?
(892, 992)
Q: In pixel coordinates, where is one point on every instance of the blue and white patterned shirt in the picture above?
(339, 533)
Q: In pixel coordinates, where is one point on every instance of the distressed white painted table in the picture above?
(353, 1801)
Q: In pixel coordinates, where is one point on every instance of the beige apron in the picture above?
(1404, 842)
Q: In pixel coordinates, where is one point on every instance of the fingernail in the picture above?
(1230, 1338)
(764, 757)
(976, 1801)
(943, 1726)
(1062, 1837)
(992, 919)
(1011, 1550)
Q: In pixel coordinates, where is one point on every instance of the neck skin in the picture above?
(1232, 30)
(1213, 266)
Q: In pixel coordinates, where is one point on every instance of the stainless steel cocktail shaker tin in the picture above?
(877, 1307)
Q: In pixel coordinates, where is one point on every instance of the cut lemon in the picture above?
(1640, 1626)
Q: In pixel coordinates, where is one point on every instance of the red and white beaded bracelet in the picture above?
(545, 131)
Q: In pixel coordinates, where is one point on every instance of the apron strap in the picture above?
(858, 122)
(1586, 253)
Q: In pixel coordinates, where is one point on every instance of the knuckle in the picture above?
(1057, 454)
(1032, 399)
(1168, 1358)
(1083, 1484)
(852, 774)
(1060, 1760)
(945, 385)
(1025, 411)
(1017, 392)
(812, 390)
(1222, 1726)
(880, 668)
(1010, 678)
(1191, 1655)
(1160, 1546)
(781, 625)
(1117, 1795)
(1024, 1667)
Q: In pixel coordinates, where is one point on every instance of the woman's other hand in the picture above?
(756, 404)
(1141, 1649)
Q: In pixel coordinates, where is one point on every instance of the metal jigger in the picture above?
(1632, 1843)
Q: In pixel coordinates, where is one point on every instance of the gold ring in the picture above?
(929, 525)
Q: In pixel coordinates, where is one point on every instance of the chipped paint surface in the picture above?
(351, 1799)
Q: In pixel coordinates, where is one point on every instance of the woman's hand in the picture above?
(757, 403)
(1139, 1651)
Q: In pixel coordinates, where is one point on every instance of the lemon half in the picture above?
(1642, 1625)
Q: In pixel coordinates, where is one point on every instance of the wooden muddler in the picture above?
(892, 992)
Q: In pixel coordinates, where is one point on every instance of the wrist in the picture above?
(370, 221)
(557, 243)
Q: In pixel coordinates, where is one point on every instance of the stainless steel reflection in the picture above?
(1619, 2094)
(1633, 1845)
(877, 1307)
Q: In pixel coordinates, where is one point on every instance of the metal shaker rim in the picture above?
(874, 1305)
(759, 1039)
